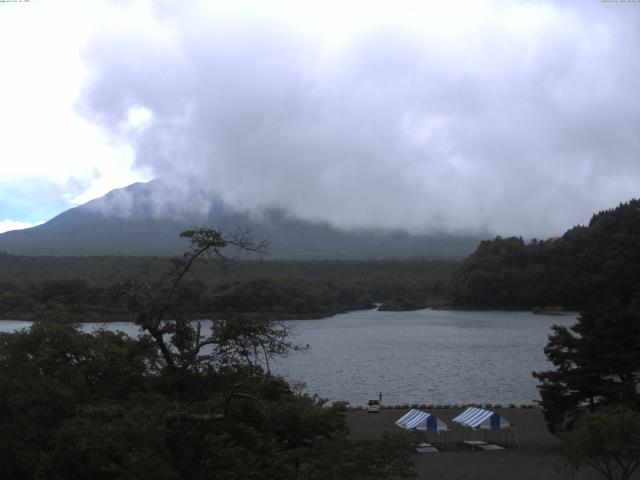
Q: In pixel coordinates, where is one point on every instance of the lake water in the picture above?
(425, 356)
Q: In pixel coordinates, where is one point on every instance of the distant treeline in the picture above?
(79, 288)
(584, 266)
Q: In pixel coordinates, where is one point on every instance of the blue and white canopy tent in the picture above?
(423, 421)
(482, 419)
(479, 419)
(419, 420)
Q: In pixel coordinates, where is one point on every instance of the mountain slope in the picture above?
(131, 221)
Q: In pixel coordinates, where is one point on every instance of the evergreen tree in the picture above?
(597, 363)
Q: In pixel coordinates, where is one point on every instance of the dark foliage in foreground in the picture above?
(76, 405)
(179, 402)
(607, 441)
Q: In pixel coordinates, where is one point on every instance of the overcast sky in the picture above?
(508, 117)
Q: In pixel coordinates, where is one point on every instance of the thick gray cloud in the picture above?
(524, 121)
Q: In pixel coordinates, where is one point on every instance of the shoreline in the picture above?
(284, 317)
(537, 458)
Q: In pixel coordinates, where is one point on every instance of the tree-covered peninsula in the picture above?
(585, 265)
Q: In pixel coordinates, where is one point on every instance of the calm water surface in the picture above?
(425, 356)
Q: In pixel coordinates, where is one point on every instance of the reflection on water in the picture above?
(426, 356)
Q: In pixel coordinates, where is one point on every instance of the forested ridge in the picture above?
(591, 393)
(77, 288)
(584, 266)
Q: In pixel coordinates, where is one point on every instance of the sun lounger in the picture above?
(474, 443)
(490, 447)
(426, 448)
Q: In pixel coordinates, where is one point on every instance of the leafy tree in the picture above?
(361, 459)
(607, 441)
(159, 309)
(174, 403)
(49, 373)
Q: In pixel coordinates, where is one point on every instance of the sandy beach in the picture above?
(537, 458)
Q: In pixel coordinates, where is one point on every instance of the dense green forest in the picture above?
(586, 265)
(176, 402)
(77, 288)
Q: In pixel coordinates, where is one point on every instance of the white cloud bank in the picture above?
(512, 117)
(8, 225)
(45, 140)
